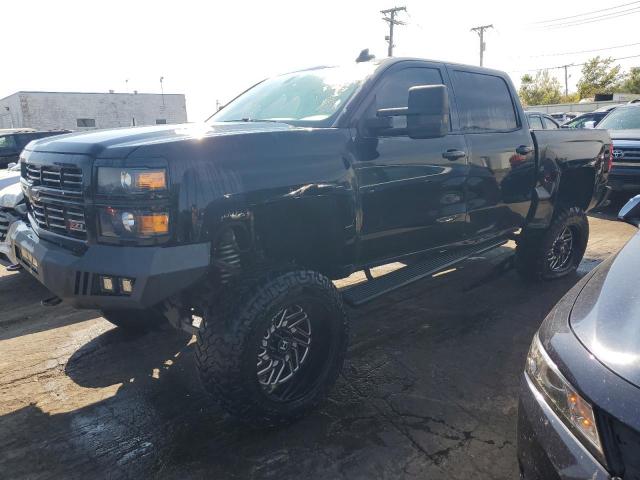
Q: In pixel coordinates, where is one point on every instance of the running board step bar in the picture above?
(367, 291)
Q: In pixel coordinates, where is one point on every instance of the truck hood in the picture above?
(625, 134)
(606, 315)
(119, 142)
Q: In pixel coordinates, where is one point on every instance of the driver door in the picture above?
(411, 190)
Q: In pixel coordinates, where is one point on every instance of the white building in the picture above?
(85, 111)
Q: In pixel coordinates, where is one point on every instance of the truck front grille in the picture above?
(4, 225)
(623, 155)
(65, 220)
(54, 177)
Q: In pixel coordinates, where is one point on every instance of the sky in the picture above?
(212, 50)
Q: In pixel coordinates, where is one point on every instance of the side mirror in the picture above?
(590, 124)
(427, 111)
(630, 213)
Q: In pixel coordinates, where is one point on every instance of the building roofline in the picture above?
(92, 93)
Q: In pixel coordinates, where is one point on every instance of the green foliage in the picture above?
(631, 82)
(542, 89)
(599, 75)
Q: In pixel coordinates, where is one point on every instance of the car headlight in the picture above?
(574, 410)
(119, 181)
(133, 224)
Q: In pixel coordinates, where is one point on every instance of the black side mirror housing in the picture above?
(630, 213)
(427, 111)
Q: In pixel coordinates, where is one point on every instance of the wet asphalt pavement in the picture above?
(429, 389)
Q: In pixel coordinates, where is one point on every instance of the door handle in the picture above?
(524, 150)
(454, 154)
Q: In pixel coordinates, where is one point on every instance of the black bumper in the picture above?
(625, 179)
(157, 272)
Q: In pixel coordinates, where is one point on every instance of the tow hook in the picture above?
(51, 301)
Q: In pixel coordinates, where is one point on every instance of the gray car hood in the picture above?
(606, 314)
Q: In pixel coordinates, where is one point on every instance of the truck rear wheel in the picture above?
(556, 251)
(270, 354)
(135, 320)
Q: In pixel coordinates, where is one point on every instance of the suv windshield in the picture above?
(309, 97)
(622, 119)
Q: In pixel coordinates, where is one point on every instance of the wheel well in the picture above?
(576, 188)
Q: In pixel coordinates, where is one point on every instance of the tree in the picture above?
(542, 89)
(631, 82)
(599, 75)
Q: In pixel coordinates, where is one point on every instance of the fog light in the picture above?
(126, 285)
(107, 284)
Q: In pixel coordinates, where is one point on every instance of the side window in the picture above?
(7, 143)
(535, 122)
(393, 92)
(549, 124)
(484, 102)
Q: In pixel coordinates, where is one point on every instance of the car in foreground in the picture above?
(623, 125)
(541, 121)
(234, 229)
(579, 410)
(13, 140)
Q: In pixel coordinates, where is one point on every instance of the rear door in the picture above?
(411, 190)
(500, 148)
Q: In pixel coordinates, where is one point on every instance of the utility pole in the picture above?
(566, 79)
(390, 17)
(162, 90)
(480, 31)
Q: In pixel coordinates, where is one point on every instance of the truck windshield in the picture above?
(622, 119)
(307, 97)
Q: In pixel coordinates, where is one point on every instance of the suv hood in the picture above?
(119, 142)
(606, 314)
(625, 134)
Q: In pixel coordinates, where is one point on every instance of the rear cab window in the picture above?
(484, 103)
(549, 124)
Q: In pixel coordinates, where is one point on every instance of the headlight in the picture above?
(119, 181)
(128, 223)
(562, 397)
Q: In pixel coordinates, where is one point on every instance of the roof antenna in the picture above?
(365, 56)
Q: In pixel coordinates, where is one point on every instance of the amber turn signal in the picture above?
(154, 224)
(152, 180)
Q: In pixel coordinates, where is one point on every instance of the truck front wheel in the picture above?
(270, 352)
(556, 251)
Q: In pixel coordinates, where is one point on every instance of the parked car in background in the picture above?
(12, 208)
(579, 411)
(306, 177)
(541, 121)
(13, 140)
(586, 120)
(623, 124)
(563, 117)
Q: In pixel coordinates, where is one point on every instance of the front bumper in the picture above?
(158, 272)
(546, 447)
(624, 179)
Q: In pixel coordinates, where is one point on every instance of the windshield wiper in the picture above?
(247, 119)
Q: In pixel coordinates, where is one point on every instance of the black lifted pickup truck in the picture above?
(234, 228)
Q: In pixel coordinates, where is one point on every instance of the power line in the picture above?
(390, 17)
(572, 65)
(585, 51)
(480, 31)
(586, 13)
(622, 13)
